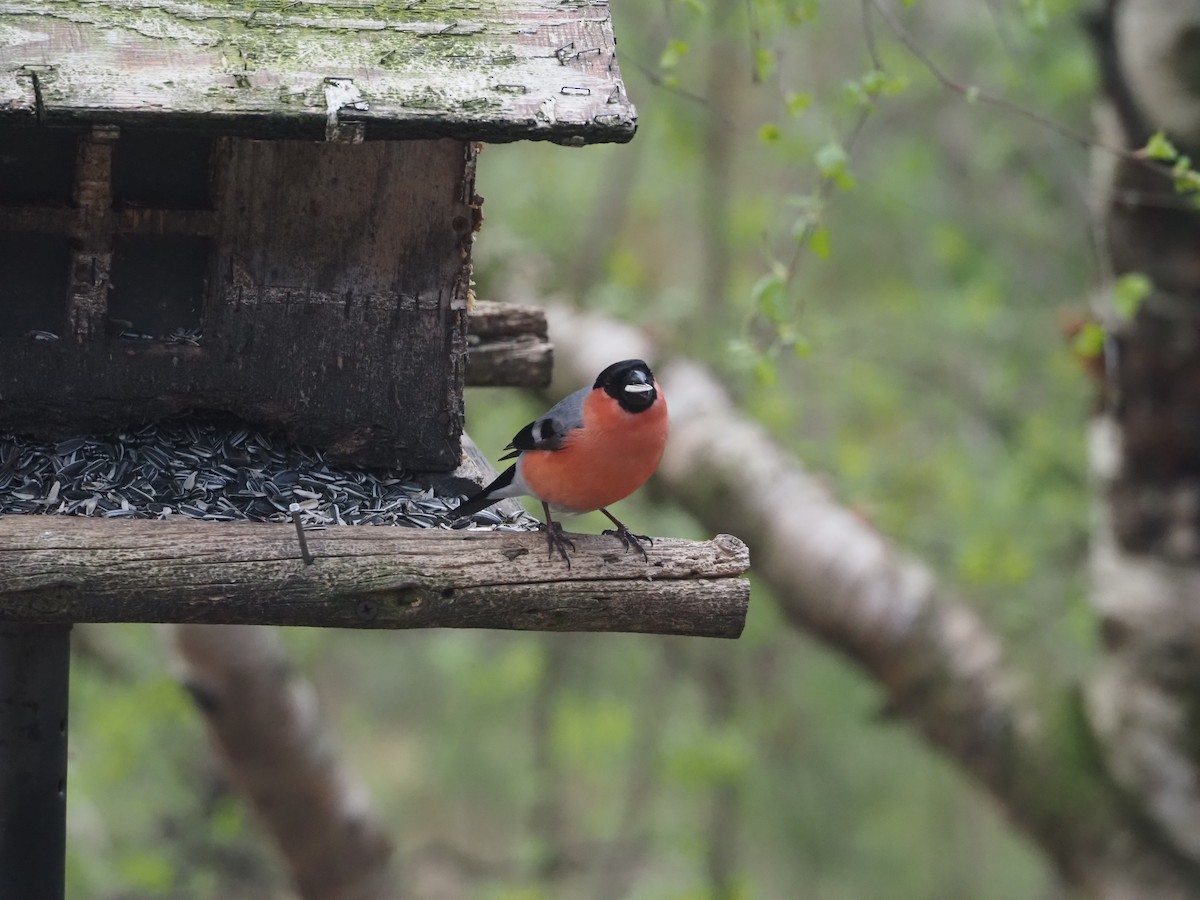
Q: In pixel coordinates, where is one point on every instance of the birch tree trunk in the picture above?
(1145, 441)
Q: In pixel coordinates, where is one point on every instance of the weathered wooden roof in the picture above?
(492, 70)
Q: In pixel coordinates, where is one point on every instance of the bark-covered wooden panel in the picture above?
(495, 70)
(324, 295)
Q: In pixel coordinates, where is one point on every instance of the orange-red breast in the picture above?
(590, 450)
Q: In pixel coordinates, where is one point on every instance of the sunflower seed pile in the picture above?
(215, 471)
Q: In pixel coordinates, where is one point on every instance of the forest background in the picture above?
(876, 265)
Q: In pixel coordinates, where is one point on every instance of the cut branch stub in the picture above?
(78, 570)
(507, 346)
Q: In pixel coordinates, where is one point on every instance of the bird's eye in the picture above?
(639, 388)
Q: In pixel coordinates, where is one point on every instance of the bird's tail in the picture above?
(493, 493)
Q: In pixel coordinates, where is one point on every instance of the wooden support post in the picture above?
(34, 669)
(92, 233)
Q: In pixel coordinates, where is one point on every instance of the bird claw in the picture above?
(629, 539)
(557, 540)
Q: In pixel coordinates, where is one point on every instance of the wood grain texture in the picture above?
(507, 346)
(495, 71)
(60, 569)
(493, 319)
(525, 363)
(91, 258)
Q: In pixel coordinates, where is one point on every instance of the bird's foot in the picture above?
(557, 540)
(629, 539)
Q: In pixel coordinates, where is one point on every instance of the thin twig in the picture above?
(659, 82)
(824, 189)
(976, 94)
(870, 38)
(755, 39)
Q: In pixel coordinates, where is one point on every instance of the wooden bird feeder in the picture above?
(266, 210)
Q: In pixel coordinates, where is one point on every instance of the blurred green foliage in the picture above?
(875, 264)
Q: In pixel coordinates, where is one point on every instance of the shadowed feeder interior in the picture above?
(37, 166)
(157, 287)
(33, 274)
(159, 280)
(166, 169)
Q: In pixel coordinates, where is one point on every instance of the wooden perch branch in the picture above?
(60, 569)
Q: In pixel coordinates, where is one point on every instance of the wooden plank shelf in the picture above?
(59, 569)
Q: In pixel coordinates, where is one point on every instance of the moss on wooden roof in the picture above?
(474, 69)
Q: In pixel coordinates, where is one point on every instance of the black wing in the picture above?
(485, 498)
(548, 432)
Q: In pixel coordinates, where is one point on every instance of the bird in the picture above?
(589, 450)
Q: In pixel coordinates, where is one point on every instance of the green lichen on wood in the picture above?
(427, 69)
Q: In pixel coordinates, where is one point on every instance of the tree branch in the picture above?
(265, 724)
(66, 569)
(943, 669)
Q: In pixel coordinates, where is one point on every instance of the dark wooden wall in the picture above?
(315, 287)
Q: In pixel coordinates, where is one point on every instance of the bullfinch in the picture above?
(590, 450)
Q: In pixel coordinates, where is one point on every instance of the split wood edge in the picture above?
(61, 569)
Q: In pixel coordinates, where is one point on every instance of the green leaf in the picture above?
(873, 81)
(797, 103)
(790, 339)
(1128, 293)
(1186, 179)
(147, 872)
(833, 163)
(764, 63)
(673, 54)
(765, 372)
(804, 11)
(769, 133)
(856, 93)
(877, 83)
(770, 297)
(228, 821)
(1089, 342)
(1159, 148)
(818, 242)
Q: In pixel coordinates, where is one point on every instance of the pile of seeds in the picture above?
(216, 471)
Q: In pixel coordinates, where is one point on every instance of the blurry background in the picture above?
(910, 349)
